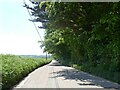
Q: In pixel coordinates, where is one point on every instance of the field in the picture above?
(15, 68)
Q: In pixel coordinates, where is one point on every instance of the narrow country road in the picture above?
(55, 75)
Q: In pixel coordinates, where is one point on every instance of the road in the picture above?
(55, 75)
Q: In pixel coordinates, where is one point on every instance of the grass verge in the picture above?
(97, 71)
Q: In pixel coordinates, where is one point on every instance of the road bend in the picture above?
(55, 75)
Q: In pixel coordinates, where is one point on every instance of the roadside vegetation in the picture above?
(15, 68)
(83, 35)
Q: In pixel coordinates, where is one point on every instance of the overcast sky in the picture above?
(17, 34)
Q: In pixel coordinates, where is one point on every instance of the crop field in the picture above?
(15, 68)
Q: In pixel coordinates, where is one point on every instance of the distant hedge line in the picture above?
(14, 68)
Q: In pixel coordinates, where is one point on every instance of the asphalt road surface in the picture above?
(55, 75)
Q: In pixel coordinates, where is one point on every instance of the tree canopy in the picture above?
(86, 34)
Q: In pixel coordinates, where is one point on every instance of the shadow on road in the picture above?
(55, 64)
(83, 77)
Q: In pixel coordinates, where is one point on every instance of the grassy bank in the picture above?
(97, 71)
(101, 72)
(15, 68)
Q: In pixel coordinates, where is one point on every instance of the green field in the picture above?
(15, 68)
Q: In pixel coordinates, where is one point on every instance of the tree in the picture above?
(85, 34)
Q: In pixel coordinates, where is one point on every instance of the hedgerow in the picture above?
(15, 68)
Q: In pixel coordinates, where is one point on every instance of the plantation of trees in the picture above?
(83, 35)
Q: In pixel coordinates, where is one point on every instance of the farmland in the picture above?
(15, 68)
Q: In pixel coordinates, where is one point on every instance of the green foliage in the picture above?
(84, 34)
(15, 68)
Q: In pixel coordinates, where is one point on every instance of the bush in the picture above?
(14, 68)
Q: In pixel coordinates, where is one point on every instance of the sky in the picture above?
(17, 34)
